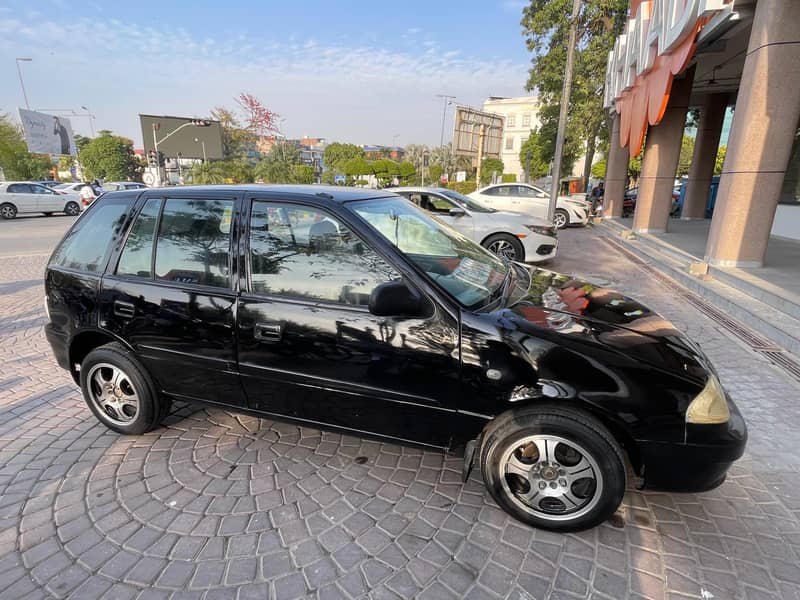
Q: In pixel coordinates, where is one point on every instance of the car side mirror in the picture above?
(457, 212)
(395, 299)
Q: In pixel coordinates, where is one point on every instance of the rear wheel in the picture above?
(561, 218)
(552, 467)
(505, 246)
(120, 392)
(72, 209)
(8, 211)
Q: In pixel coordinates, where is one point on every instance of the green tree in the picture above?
(303, 174)
(406, 171)
(720, 160)
(15, 160)
(435, 172)
(687, 151)
(635, 167)
(278, 166)
(545, 25)
(355, 168)
(599, 169)
(206, 173)
(237, 170)
(489, 166)
(109, 157)
(384, 170)
(336, 154)
(532, 157)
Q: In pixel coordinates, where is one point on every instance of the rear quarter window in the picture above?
(87, 246)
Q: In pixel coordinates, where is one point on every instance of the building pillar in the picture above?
(764, 124)
(662, 150)
(616, 178)
(712, 115)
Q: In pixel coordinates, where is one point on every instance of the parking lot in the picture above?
(222, 505)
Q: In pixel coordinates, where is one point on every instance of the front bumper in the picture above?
(578, 215)
(698, 464)
(539, 248)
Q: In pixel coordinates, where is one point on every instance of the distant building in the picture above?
(395, 153)
(521, 116)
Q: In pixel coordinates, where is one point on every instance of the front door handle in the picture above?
(269, 332)
(124, 309)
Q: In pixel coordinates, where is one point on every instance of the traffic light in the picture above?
(201, 122)
(162, 160)
(152, 158)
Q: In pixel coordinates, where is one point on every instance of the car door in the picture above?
(440, 206)
(23, 197)
(310, 349)
(500, 197)
(528, 201)
(47, 200)
(171, 293)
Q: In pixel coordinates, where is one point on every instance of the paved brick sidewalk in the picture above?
(220, 505)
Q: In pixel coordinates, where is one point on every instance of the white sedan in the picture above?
(510, 235)
(25, 197)
(531, 200)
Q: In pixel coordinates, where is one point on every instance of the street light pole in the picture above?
(562, 115)
(91, 119)
(446, 100)
(21, 83)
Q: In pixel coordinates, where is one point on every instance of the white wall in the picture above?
(787, 221)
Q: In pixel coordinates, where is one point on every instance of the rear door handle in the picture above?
(125, 310)
(269, 332)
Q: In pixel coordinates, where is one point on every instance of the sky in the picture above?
(359, 72)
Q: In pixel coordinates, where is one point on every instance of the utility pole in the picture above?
(562, 114)
(447, 100)
(481, 133)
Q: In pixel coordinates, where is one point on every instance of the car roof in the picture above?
(416, 188)
(332, 193)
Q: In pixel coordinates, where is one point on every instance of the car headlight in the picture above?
(542, 230)
(710, 406)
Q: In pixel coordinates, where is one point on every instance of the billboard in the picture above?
(467, 131)
(47, 134)
(178, 135)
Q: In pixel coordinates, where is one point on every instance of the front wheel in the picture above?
(120, 392)
(72, 209)
(561, 218)
(552, 467)
(505, 246)
(8, 211)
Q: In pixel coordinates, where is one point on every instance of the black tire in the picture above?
(151, 408)
(8, 211)
(72, 209)
(505, 245)
(599, 486)
(561, 219)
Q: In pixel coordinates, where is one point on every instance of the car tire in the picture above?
(72, 209)
(505, 246)
(579, 484)
(8, 211)
(561, 218)
(120, 392)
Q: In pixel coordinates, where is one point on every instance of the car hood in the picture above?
(588, 312)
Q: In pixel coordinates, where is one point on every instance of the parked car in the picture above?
(77, 189)
(631, 194)
(113, 186)
(356, 310)
(48, 183)
(18, 197)
(512, 236)
(531, 200)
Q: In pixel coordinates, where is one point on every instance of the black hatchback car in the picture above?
(354, 309)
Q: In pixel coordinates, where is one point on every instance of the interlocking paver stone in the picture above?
(216, 503)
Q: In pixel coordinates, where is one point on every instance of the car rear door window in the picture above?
(304, 252)
(87, 246)
(193, 243)
(137, 256)
(19, 188)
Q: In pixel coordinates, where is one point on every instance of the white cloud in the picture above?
(361, 93)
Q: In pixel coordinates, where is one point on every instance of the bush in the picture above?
(508, 178)
(463, 187)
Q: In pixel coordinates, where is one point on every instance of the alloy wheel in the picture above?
(113, 393)
(551, 477)
(7, 212)
(559, 220)
(503, 249)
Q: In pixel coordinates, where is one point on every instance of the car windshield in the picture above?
(469, 273)
(466, 202)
